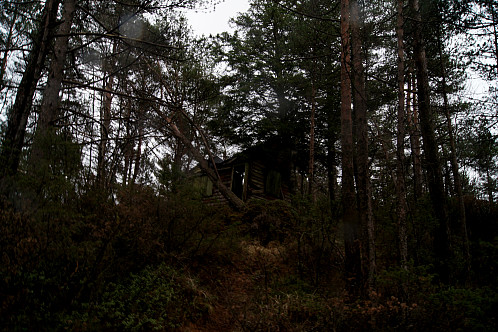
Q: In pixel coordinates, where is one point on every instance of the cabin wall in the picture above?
(259, 182)
(256, 182)
(266, 183)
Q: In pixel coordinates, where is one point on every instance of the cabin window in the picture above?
(273, 183)
(238, 179)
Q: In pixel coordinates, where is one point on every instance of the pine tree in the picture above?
(13, 140)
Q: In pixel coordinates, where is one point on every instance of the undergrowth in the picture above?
(170, 263)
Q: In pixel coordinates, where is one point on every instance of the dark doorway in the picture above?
(238, 180)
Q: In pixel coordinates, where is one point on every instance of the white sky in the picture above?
(214, 20)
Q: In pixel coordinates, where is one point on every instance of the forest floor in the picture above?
(239, 288)
(250, 292)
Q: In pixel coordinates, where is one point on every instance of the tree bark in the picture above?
(454, 167)
(13, 141)
(311, 166)
(50, 103)
(414, 127)
(105, 122)
(400, 141)
(352, 226)
(138, 154)
(236, 202)
(7, 46)
(332, 171)
(360, 110)
(128, 144)
(495, 35)
(433, 164)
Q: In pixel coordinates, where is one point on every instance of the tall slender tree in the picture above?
(7, 41)
(361, 121)
(455, 169)
(414, 131)
(400, 139)
(431, 149)
(13, 140)
(50, 104)
(350, 218)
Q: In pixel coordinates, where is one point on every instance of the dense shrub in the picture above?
(156, 298)
(58, 259)
(460, 309)
(305, 227)
(138, 260)
(42, 267)
(269, 220)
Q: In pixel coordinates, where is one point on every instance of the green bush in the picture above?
(157, 298)
(409, 285)
(58, 258)
(459, 309)
(485, 262)
(40, 268)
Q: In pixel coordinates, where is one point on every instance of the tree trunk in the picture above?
(454, 168)
(360, 110)
(331, 168)
(490, 186)
(13, 141)
(352, 227)
(105, 123)
(7, 46)
(400, 141)
(128, 144)
(138, 154)
(311, 166)
(227, 193)
(333, 118)
(495, 35)
(413, 125)
(434, 172)
(50, 104)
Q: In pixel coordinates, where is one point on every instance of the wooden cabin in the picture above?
(260, 172)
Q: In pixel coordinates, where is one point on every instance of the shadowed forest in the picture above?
(327, 165)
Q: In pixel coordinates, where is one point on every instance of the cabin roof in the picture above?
(273, 154)
(273, 151)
